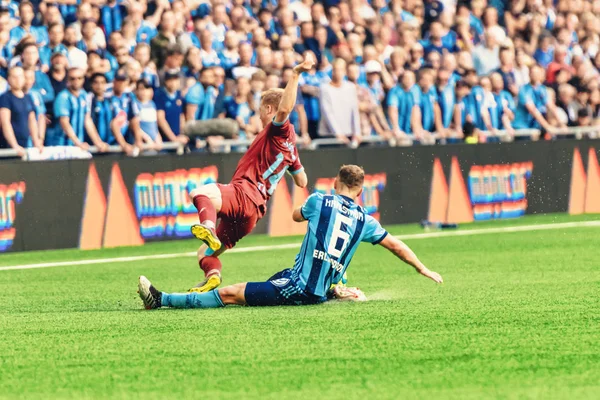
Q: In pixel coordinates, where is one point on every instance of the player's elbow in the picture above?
(297, 216)
(301, 180)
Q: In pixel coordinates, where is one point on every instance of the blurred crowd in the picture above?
(128, 72)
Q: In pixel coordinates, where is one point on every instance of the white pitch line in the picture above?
(428, 235)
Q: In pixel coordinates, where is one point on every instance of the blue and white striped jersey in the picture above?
(336, 226)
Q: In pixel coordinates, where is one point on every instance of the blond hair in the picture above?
(352, 176)
(271, 97)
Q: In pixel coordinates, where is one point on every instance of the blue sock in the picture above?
(192, 300)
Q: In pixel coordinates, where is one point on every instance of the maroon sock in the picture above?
(211, 265)
(206, 210)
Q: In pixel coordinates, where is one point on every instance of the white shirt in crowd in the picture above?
(77, 58)
(339, 110)
(99, 38)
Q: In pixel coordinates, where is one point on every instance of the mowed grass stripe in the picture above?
(417, 236)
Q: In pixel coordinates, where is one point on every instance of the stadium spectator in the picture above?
(148, 114)
(100, 108)
(71, 110)
(38, 102)
(125, 125)
(192, 65)
(463, 119)
(521, 70)
(274, 81)
(446, 97)
(372, 119)
(56, 35)
(26, 16)
(584, 117)
(96, 65)
(58, 73)
(95, 35)
(544, 54)
(582, 102)
(30, 59)
(490, 119)
(426, 118)
(239, 107)
(210, 58)
(143, 30)
(165, 39)
(141, 54)
(486, 56)
(197, 107)
(504, 113)
(533, 106)
(111, 17)
(217, 25)
(338, 100)
(134, 72)
(77, 57)
(88, 42)
(17, 115)
(230, 56)
(257, 86)
(507, 70)
(244, 67)
(559, 63)
(169, 104)
(52, 14)
(174, 60)
(400, 103)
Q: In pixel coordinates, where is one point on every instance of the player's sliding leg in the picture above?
(207, 200)
(154, 298)
(277, 291)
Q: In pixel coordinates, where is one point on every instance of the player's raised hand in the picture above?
(306, 65)
(434, 276)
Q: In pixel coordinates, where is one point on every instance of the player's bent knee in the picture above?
(233, 294)
(210, 190)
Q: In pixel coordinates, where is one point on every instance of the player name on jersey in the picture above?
(321, 255)
(334, 203)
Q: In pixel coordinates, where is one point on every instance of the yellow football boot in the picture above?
(210, 283)
(207, 235)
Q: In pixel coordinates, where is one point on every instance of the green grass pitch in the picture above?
(517, 317)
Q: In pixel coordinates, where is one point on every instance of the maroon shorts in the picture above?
(238, 214)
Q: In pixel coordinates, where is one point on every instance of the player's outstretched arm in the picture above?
(288, 101)
(403, 252)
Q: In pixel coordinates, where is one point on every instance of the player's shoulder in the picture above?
(281, 131)
(312, 204)
(316, 196)
(369, 219)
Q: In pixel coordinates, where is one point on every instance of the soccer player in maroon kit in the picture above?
(242, 202)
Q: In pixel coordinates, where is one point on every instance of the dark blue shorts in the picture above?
(279, 290)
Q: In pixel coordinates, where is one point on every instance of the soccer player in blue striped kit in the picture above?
(336, 227)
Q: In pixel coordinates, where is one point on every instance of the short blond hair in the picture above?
(352, 176)
(271, 97)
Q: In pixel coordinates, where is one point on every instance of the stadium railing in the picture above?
(506, 136)
(240, 145)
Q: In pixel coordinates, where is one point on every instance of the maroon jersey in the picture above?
(271, 154)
